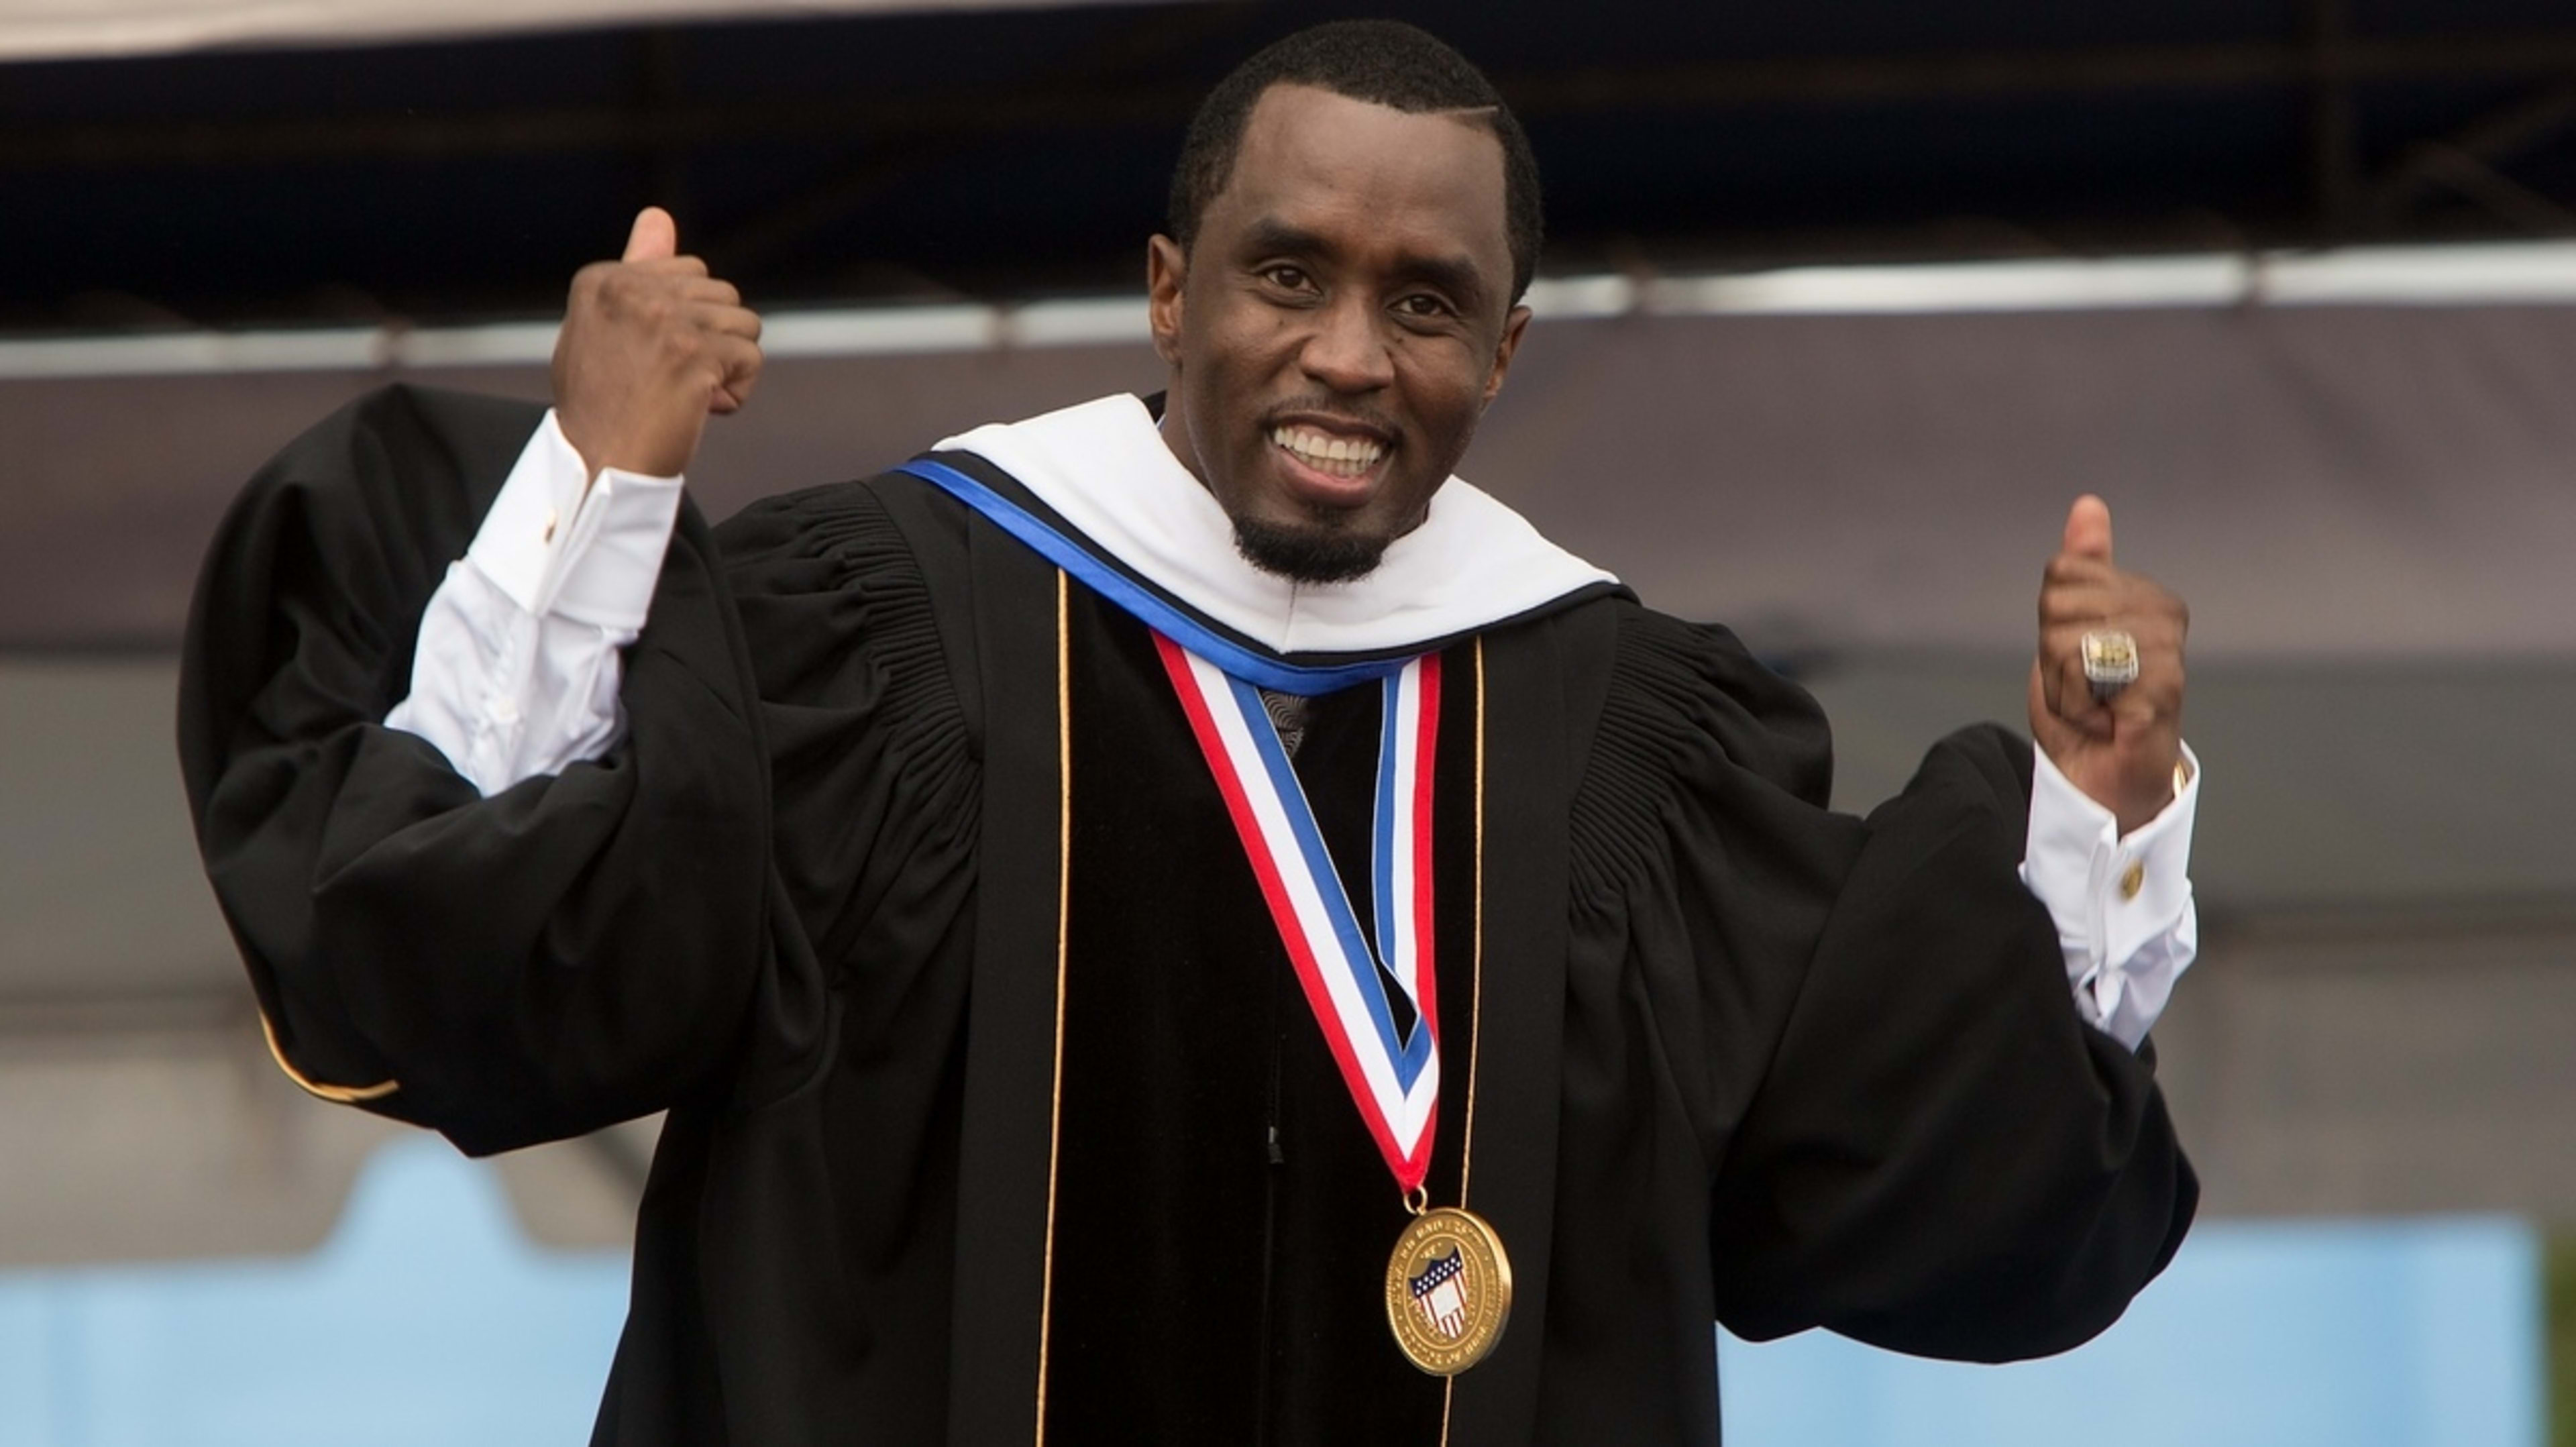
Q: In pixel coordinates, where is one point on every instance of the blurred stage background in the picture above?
(1842, 305)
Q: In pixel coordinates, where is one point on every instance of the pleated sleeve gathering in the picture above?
(580, 948)
(875, 772)
(1900, 1126)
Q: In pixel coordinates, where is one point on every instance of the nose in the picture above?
(1347, 351)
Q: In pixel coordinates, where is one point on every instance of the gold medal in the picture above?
(1448, 1291)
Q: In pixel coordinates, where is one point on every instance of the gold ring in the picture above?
(2110, 662)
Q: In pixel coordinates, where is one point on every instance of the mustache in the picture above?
(1330, 409)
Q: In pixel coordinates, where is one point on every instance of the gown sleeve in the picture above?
(1913, 1138)
(582, 947)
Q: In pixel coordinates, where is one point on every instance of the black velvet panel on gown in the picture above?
(1224, 1216)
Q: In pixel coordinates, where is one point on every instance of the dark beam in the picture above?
(2006, 74)
(2334, 120)
(443, 137)
(2486, 142)
(1699, 86)
(2498, 194)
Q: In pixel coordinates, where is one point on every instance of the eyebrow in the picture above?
(1457, 275)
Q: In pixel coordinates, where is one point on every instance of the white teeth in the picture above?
(1339, 456)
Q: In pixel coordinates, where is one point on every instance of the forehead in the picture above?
(1313, 158)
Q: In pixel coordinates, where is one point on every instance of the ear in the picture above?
(1513, 326)
(1167, 269)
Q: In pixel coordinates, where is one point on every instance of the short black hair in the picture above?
(1383, 62)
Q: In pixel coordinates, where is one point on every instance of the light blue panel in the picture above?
(426, 1319)
(26, 1361)
(2407, 1333)
(2462, 1340)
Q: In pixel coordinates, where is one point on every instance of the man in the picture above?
(1084, 897)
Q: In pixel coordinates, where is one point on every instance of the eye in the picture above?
(1425, 306)
(1287, 276)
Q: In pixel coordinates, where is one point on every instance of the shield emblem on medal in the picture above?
(1440, 1294)
(1448, 1290)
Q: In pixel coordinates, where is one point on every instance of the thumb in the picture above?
(655, 236)
(2088, 528)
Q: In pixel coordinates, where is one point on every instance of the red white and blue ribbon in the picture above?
(1393, 1074)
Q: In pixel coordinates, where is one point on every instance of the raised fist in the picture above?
(651, 345)
(2121, 750)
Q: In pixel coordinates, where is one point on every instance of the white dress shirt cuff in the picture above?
(516, 672)
(559, 544)
(2123, 904)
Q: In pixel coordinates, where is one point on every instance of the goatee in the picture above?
(1305, 554)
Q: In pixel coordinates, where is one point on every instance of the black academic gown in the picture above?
(994, 1116)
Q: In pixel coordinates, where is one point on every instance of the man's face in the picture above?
(1338, 326)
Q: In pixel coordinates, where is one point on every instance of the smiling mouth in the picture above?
(1348, 458)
